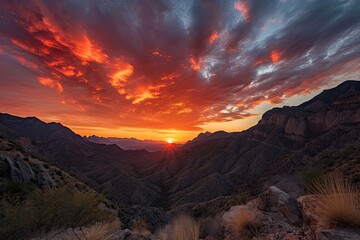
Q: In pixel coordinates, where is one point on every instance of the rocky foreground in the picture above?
(277, 215)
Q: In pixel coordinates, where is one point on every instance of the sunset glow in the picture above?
(170, 69)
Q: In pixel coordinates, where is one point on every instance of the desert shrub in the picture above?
(182, 227)
(339, 201)
(243, 224)
(52, 209)
(98, 231)
(140, 227)
(102, 231)
(20, 188)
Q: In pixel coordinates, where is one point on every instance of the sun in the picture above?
(170, 140)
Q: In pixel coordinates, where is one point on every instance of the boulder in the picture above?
(338, 234)
(311, 212)
(124, 234)
(275, 200)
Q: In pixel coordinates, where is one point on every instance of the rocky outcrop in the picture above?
(280, 216)
(338, 234)
(311, 212)
(19, 170)
(330, 108)
(275, 200)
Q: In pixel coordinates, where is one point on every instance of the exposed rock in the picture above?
(338, 234)
(296, 126)
(275, 200)
(124, 234)
(20, 170)
(311, 212)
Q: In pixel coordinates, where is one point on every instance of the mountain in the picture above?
(132, 143)
(284, 143)
(106, 167)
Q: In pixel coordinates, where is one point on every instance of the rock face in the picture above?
(17, 165)
(275, 200)
(311, 212)
(338, 234)
(19, 170)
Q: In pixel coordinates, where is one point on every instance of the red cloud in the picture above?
(51, 83)
(275, 56)
(153, 68)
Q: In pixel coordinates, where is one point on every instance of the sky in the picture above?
(167, 68)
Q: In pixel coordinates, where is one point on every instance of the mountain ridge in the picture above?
(284, 142)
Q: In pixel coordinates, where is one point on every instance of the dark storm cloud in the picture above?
(173, 64)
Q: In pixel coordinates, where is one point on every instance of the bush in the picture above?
(340, 203)
(20, 188)
(52, 209)
(182, 227)
(98, 231)
(243, 224)
(140, 227)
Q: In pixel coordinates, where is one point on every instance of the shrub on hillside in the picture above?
(98, 231)
(243, 224)
(340, 202)
(182, 227)
(52, 209)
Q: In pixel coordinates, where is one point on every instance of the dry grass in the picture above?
(182, 227)
(339, 202)
(98, 231)
(102, 231)
(141, 228)
(243, 223)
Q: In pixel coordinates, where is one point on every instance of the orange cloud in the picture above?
(80, 44)
(51, 83)
(195, 64)
(213, 37)
(26, 63)
(170, 76)
(243, 9)
(119, 78)
(275, 56)
(144, 93)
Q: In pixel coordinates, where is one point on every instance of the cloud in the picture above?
(170, 64)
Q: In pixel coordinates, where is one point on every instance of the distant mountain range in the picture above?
(132, 143)
(284, 143)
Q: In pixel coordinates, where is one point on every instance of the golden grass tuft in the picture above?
(98, 231)
(243, 222)
(140, 227)
(102, 231)
(182, 227)
(339, 202)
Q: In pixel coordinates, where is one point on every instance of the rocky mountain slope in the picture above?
(106, 167)
(284, 143)
(20, 167)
